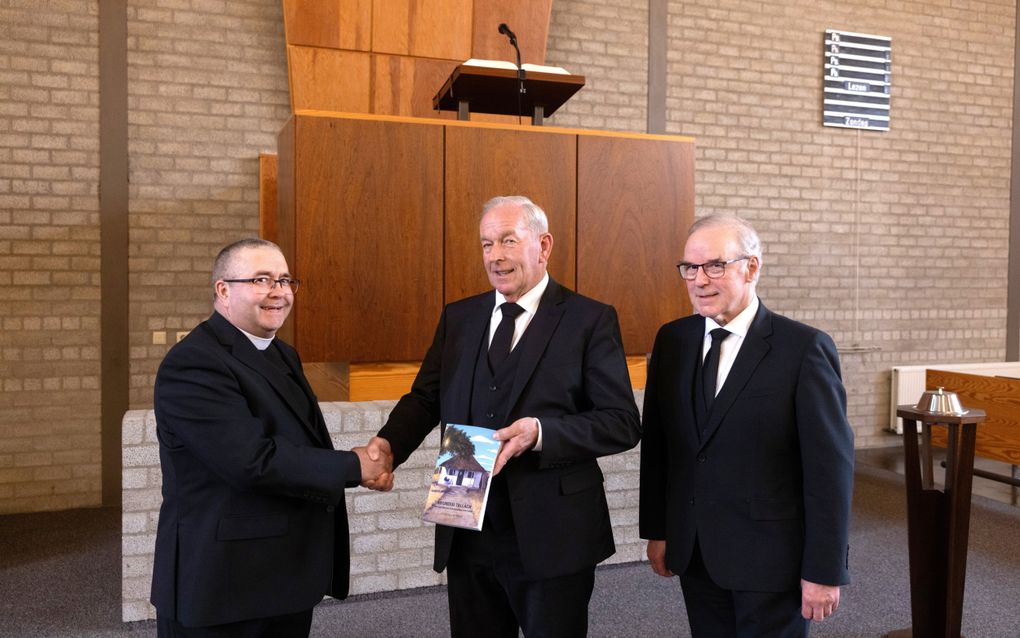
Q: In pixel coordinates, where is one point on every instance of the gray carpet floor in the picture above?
(59, 577)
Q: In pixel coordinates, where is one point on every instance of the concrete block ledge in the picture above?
(382, 525)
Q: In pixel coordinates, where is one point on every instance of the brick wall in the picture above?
(391, 548)
(207, 91)
(607, 42)
(49, 255)
(896, 243)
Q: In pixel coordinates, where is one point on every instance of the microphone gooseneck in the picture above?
(505, 30)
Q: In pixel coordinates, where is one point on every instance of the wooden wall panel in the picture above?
(423, 28)
(635, 203)
(313, 23)
(391, 28)
(356, 24)
(379, 215)
(285, 220)
(329, 79)
(389, 57)
(369, 238)
(528, 20)
(404, 86)
(484, 162)
(332, 24)
(269, 212)
(330, 380)
(441, 29)
(999, 436)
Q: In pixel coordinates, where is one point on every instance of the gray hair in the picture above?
(747, 236)
(534, 216)
(225, 259)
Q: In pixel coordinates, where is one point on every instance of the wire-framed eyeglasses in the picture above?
(266, 284)
(713, 269)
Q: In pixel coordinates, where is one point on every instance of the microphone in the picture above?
(505, 30)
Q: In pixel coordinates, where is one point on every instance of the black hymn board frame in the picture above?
(857, 80)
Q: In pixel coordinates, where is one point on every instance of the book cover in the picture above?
(459, 490)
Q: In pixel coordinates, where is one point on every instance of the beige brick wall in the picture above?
(895, 242)
(391, 548)
(49, 255)
(607, 42)
(859, 227)
(207, 91)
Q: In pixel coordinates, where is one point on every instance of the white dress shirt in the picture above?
(737, 328)
(529, 301)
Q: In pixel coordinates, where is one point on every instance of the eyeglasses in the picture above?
(267, 284)
(713, 269)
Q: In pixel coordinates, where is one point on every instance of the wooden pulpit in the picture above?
(501, 91)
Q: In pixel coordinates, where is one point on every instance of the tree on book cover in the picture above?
(460, 483)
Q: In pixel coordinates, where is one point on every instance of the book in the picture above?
(459, 490)
(506, 64)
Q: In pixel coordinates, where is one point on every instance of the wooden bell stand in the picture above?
(938, 521)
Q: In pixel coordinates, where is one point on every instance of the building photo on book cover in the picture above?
(460, 483)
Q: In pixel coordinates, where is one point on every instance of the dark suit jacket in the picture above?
(253, 522)
(572, 375)
(767, 487)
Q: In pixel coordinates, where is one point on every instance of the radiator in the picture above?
(908, 382)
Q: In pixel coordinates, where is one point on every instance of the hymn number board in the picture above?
(857, 80)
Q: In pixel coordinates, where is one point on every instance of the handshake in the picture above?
(377, 457)
(376, 464)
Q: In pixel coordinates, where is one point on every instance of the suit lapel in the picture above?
(244, 351)
(540, 330)
(692, 339)
(752, 351)
(456, 401)
(319, 426)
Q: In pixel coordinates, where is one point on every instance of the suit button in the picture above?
(702, 458)
(489, 414)
(493, 388)
(692, 500)
(330, 508)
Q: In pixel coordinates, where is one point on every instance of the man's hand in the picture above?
(818, 602)
(518, 437)
(376, 464)
(657, 557)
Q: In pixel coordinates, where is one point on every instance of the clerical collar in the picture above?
(259, 342)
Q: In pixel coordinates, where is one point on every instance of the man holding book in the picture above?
(544, 368)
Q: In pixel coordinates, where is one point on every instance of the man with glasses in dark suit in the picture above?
(746, 454)
(253, 528)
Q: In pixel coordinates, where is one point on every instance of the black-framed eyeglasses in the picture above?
(713, 269)
(266, 284)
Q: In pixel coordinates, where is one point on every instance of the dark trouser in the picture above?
(714, 612)
(490, 595)
(286, 626)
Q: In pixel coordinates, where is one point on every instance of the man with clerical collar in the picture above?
(253, 527)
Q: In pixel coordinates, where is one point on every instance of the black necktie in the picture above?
(711, 365)
(499, 347)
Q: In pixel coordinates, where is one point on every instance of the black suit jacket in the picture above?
(572, 375)
(253, 522)
(766, 487)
